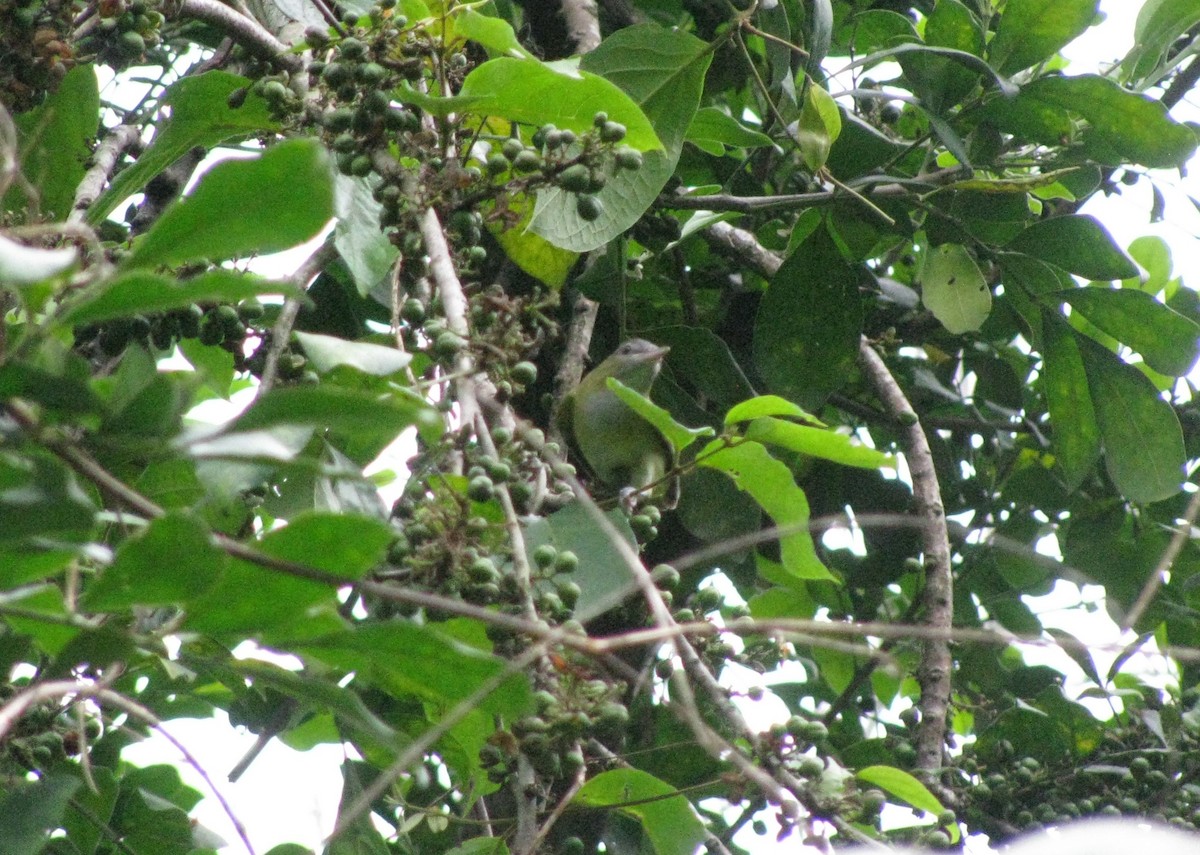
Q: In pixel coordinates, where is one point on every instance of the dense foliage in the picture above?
(856, 225)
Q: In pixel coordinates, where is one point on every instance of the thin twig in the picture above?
(415, 751)
(281, 333)
(1182, 534)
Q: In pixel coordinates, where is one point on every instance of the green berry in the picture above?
(511, 148)
(545, 555)
(481, 489)
(566, 562)
(524, 373)
(612, 132)
(628, 158)
(588, 208)
(527, 161)
(575, 179)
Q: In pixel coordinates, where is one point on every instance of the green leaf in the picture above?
(1122, 126)
(712, 130)
(818, 442)
(346, 410)
(710, 366)
(200, 115)
(528, 250)
(141, 292)
(249, 598)
(171, 562)
(663, 72)
(680, 436)
(481, 846)
(91, 805)
(1168, 341)
(809, 322)
(818, 35)
(271, 203)
(768, 405)
(603, 574)
(39, 497)
(1159, 24)
(326, 353)
(819, 127)
(405, 659)
(1031, 31)
(30, 811)
(1143, 442)
(904, 786)
(22, 265)
(1077, 244)
(939, 82)
(1076, 434)
(770, 483)
(667, 817)
(534, 93)
(361, 243)
(954, 290)
(55, 142)
(495, 34)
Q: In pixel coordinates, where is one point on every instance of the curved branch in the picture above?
(245, 31)
(935, 669)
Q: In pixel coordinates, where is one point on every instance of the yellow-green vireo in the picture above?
(621, 448)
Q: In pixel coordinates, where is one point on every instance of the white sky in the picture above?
(287, 796)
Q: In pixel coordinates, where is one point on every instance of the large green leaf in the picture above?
(603, 574)
(771, 484)
(819, 126)
(904, 786)
(39, 497)
(817, 442)
(534, 93)
(680, 436)
(1122, 125)
(141, 292)
(938, 81)
(170, 563)
(200, 116)
(1159, 24)
(711, 130)
(1168, 341)
(1077, 244)
(55, 144)
(1031, 31)
(708, 364)
(663, 72)
(954, 290)
(1143, 442)
(345, 410)
(362, 244)
(327, 353)
(407, 659)
(271, 203)
(1076, 433)
(249, 598)
(807, 330)
(30, 811)
(667, 817)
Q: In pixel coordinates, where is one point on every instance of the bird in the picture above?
(620, 448)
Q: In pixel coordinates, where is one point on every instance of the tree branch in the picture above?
(936, 666)
(245, 31)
